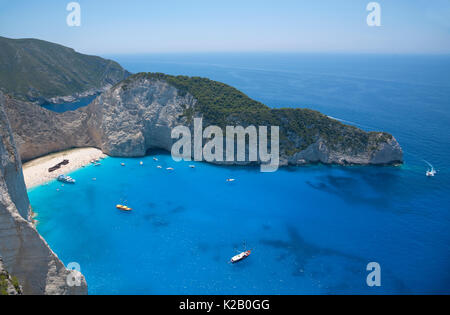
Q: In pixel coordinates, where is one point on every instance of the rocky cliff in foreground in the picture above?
(8, 285)
(24, 253)
(139, 113)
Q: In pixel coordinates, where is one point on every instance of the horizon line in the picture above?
(164, 52)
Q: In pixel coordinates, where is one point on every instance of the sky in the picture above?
(149, 26)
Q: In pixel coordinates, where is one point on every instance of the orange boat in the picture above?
(123, 208)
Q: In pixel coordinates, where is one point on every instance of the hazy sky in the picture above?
(141, 26)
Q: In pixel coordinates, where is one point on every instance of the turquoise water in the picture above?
(312, 229)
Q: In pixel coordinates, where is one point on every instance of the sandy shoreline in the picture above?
(36, 171)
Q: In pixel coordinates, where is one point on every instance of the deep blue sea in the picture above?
(312, 229)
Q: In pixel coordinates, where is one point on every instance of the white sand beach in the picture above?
(36, 171)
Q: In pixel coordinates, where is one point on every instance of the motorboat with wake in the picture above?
(431, 171)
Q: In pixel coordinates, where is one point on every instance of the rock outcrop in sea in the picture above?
(24, 253)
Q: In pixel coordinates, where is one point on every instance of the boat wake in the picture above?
(431, 172)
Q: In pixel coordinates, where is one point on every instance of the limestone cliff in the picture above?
(130, 121)
(23, 251)
(8, 285)
(139, 113)
(38, 131)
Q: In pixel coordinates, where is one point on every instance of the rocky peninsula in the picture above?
(138, 114)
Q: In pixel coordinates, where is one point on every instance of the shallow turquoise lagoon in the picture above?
(312, 229)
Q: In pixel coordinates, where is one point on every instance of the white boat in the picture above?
(141, 163)
(230, 180)
(240, 257)
(170, 169)
(123, 164)
(159, 166)
(192, 166)
(66, 179)
(431, 171)
(155, 159)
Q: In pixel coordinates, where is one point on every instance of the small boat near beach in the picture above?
(170, 168)
(66, 179)
(240, 257)
(192, 166)
(124, 208)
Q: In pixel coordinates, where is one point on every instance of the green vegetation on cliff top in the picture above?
(32, 69)
(220, 104)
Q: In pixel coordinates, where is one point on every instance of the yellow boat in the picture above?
(123, 208)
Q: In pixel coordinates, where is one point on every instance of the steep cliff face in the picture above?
(24, 252)
(139, 113)
(38, 131)
(375, 153)
(8, 285)
(129, 120)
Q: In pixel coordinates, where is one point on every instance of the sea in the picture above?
(311, 230)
